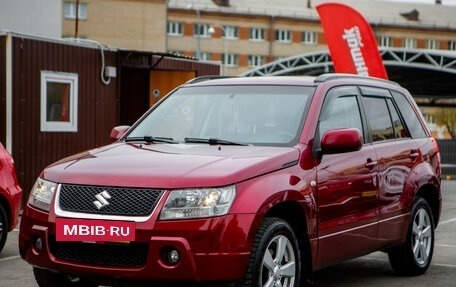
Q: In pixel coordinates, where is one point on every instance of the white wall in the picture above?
(32, 17)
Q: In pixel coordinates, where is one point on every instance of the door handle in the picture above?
(414, 154)
(370, 164)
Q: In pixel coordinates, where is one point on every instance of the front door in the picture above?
(347, 185)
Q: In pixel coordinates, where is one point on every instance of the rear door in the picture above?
(347, 185)
(397, 155)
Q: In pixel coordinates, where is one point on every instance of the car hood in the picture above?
(169, 165)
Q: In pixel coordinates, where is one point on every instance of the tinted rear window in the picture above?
(409, 115)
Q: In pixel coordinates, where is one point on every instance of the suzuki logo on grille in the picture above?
(102, 199)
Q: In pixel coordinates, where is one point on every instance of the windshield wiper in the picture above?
(151, 139)
(213, 141)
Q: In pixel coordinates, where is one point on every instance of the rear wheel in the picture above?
(275, 256)
(3, 227)
(415, 255)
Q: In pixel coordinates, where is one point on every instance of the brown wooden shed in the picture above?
(58, 97)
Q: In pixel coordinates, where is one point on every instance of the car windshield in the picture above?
(253, 115)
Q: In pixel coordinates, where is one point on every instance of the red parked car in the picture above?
(243, 182)
(10, 196)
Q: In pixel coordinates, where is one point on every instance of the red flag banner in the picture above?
(351, 42)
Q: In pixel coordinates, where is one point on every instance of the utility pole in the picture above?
(76, 25)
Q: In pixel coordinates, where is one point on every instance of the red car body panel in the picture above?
(10, 190)
(169, 166)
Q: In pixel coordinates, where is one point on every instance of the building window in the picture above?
(230, 60)
(59, 102)
(283, 36)
(409, 43)
(452, 45)
(309, 37)
(386, 41)
(69, 10)
(230, 32)
(204, 56)
(257, 34)
(175, 28)
(255, 60)
(429, 118)
(203, 30)
(432, 44)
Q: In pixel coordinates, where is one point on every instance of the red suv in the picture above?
(10, 196)
(245, 182)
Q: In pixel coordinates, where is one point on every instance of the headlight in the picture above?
(198, 202)
(42, 193)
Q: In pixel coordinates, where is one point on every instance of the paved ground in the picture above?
(372, 270)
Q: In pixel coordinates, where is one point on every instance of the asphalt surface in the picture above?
(372, 270)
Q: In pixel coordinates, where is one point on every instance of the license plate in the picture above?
(94, 230)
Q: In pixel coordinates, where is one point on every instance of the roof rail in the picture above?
(334, 76)
(207, 78)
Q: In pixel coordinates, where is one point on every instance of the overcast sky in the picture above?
(444, 2)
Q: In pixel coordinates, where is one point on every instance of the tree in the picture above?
(446, 116)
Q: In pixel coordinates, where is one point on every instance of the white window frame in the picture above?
(204, 56)
(257, 34)
(410, 43)
(256, 60)
(56, 126)
(230, 32)
(283, 36)
(204, 28)
(175, 29)
(309, 37)
(452, 45)
(230, 60)
(386, 41)
(69, 10)
(432, 44)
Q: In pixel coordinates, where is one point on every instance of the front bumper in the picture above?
(210, 250)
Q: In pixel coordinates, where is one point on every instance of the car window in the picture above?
(378, 118)
(409, 115)
(340, 110)
(398, 126)
(383, 116)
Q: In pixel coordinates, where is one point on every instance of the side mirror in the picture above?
(117, 133)
(341, 140)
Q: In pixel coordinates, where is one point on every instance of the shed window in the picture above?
(59, 102)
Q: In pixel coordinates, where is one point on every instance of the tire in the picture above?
(3, 227)
(415, 255)
(267, 263)
(47, 278)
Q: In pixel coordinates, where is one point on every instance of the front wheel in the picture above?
(415, 255)
(275, 256)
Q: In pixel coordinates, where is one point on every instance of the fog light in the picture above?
(173, 256)
(38, 244)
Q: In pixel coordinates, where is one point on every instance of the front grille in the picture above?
(119, 255)
(120, 201)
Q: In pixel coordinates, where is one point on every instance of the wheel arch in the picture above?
(432, 195)
(295, 215)
(5, 204)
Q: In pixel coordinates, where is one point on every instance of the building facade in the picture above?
(125, 24)
(247, 34)
(32, 17)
